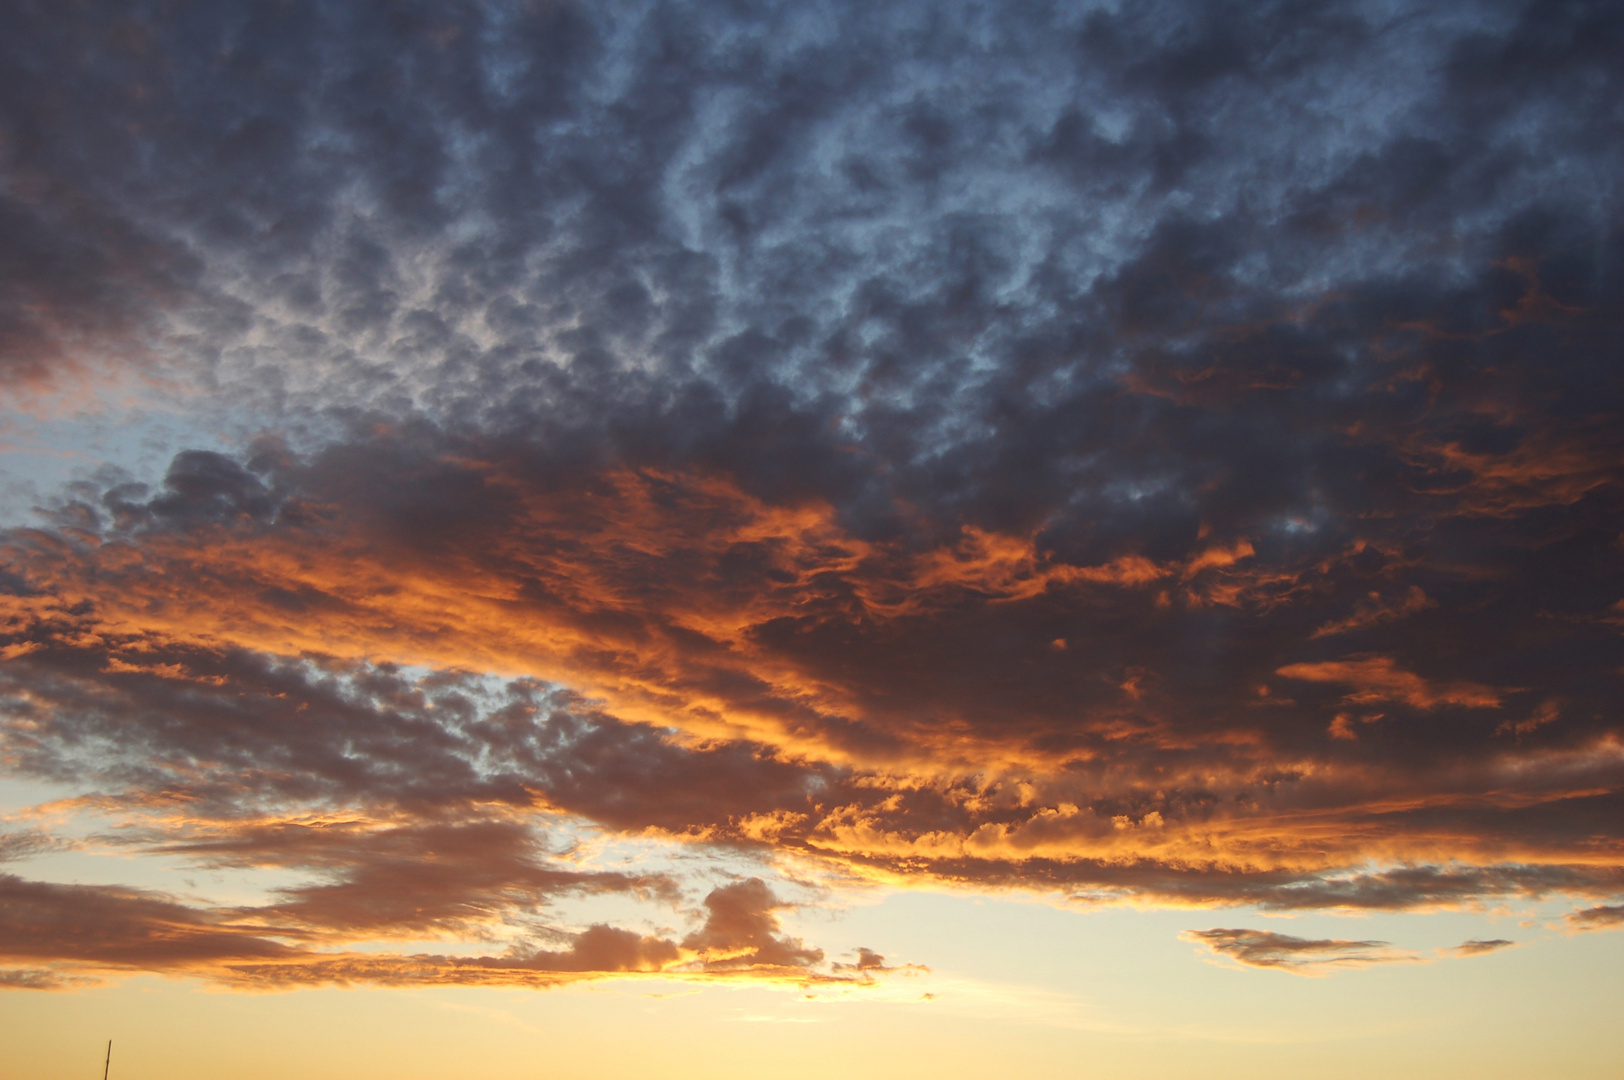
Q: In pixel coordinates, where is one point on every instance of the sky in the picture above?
(743, 539)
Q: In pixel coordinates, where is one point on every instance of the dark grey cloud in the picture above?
(899, 211)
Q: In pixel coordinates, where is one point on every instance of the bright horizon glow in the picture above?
(1059, 983)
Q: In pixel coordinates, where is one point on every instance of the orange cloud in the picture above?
(1544, 469)
(1375, 610)
(757, 675)
(655, 592)
(1379, 678)
(1218, 556)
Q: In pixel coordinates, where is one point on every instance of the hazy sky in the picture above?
(737, 539)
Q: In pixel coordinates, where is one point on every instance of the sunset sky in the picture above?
(733, 540)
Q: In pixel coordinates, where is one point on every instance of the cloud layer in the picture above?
(1163, 453)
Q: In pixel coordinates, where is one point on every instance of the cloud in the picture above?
(1375, 610)
(1546, 713)
(401, 882)
(1300, 956)
(867, 960)
(1602, 917)
(1478, 948)
(740, 931)
(407, 799)
(26, 843)
(123, 928)
(81, 932)
(1376, 679)
(34, 979)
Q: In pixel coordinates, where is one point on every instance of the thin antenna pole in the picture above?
(109, 1060)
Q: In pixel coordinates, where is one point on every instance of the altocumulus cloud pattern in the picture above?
(1158, 452)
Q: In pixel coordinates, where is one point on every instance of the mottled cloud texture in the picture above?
(1166, 452)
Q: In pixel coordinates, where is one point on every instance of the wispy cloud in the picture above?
(1300, 956)
(1479, 947)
